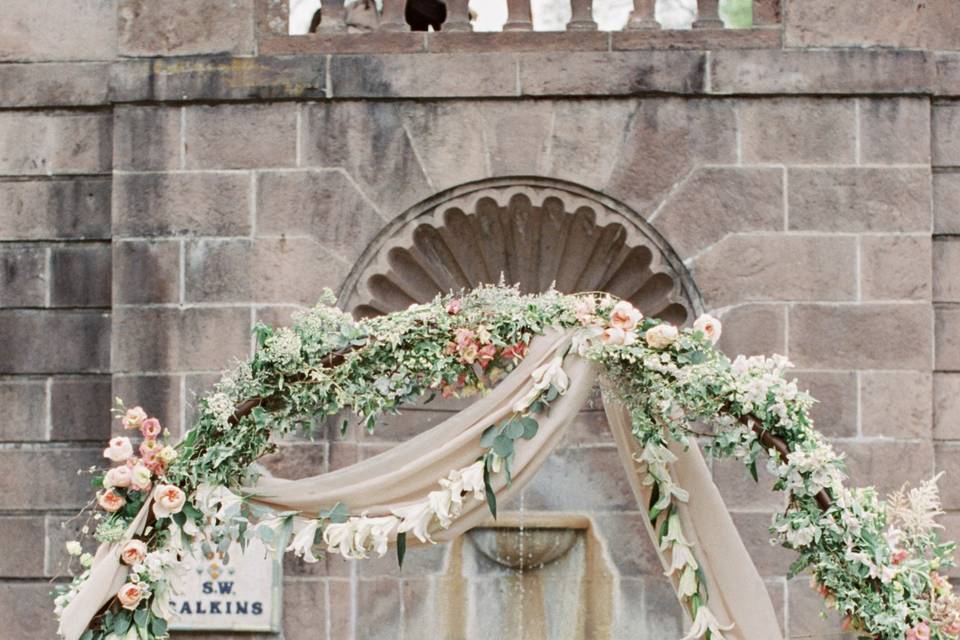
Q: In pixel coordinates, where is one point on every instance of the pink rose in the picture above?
(119, 450)
(625, 316)
(130, 595)
(168, 499)
(133, 552)
(133, 418)
(118, 477)
(150, 428)
(111, 501)
(453, 307)
(709, 327)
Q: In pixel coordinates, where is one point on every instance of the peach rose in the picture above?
(118, 477)
(130, 595)
(150, 428)
(133, 552)
(140, 477)
(168, 499)
(111, 501)
(133, 418)
(709, 326)
(661, 336)
(119, 450)
(617, 336)
(625, 316)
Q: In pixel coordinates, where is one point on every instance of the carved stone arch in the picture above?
(532, 230)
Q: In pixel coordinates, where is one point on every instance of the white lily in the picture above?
(441, 503)
(668, 491)
(674, 533)
(543, 377)
(374, 534)
(472, 478)
(681, 557)
(302, 543)
(417, 518)
(705, 621)
(339, 537)
(688, 583)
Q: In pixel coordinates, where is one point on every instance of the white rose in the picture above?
(140, 477)
(709, 326)
(661, 336)
(118, 477)
(168, 499)
(119, 450)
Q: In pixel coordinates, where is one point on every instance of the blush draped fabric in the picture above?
(409, 471)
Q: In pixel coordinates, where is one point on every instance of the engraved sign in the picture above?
(241, 595)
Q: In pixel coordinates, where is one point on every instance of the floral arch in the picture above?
(536, 357)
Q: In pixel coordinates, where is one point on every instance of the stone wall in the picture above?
(156, 200)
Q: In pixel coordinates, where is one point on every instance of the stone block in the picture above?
(754, 328)
(859, 199)
(197, 385)
(179, 339)
(754, 530)
(868, 336)
(946, 270)
(580, 479)
(146, 271)
(25, 408)
(184, 27)
(421, 561)
(25, 610)
(324, 204)
(887, 464)
(23, 275)
(580, 140)
(44, 143)
(624, 73)
(947, 337)
(836, 412)
(147, 138)
(741, 493)
(947, 455)
(289, 270)
(896, 404)
(80, 275)
(516, 135)
(946, 203)
(62, 488)
(82, 341)
(22, 538)
(58, 30)
(57, 531)
(304, 609)
(379, 607)
(80, 408)
(424, 76)
(432, 125)
(946, 406)
(777, 267)
(241, 136)
(895, 130)
(662, 613)
(777, 130)
(341, 42)
(895, 267)
(156, 204)
(945, 135)
(808, 616)
(297, 460)
(528, 41)
(158, 394)
(35, 210)
(55, 84)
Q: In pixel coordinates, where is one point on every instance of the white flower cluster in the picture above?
(283, 347)
(221, 407)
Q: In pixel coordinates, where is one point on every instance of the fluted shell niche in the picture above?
(533, 235)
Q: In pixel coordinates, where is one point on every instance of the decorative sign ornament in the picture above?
(533, 359)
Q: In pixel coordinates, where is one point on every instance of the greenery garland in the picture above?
(877, 562)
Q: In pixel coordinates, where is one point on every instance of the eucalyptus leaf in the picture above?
(491, 495)
(530, 427)
(401, 547)
(502, 446)
(488, 435)
(514, 430)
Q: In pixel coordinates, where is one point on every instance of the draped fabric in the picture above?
(409, 471)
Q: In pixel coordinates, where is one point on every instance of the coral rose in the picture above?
(625, 316)
(111, 501)
(130, 595)
(133, 552)
(168, 499)
(708, 326)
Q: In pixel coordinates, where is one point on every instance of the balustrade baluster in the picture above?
(392, 16)
(519, 17)
(458, 16)
(332, 17)
(708, 15)
(643, 15)
(581, 18)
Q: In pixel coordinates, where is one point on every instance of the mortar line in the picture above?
(856, 131)
(183, 138)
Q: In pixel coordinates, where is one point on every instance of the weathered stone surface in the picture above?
(20, 490)
(946, 270)
(805, 606)
(580, 479)
(241, 136)
(618, 531)
(836, 412)
(22, 538)
(146, 138)
(208, 204)
(895, 130)
(80, 275)
(754, 529)
(42, 143)
(581, 138)
(946, 406)
(433, 126)
(158, 394)
(423, 75)
(369, 141)
(895, 267)
(164, 339)
(58, 30)
(887, 464)
(289, 270)
(754, 328)
(297, 460)
(699, 39)
(859, 199)
(777, 267)
(82, 344)
(945, 137)
(23, 276)
(184, 27)
(25, 610)
(739, 491)
(769, 71)
(75, 208)
(778, 130)
(54, 84)
(305, 608)
(896, 404)
(25, 407)
(946, 203)
(867, 336)
(146, 271)
(343, 42)
(379, 601)
(947, 332)
(80, 408)
(913, 24)
(626, 73)
(516, 134)
(666, 139)
(323, 204)
(946, 462)
(532, 41)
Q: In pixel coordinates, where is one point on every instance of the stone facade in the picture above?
(172, 173)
